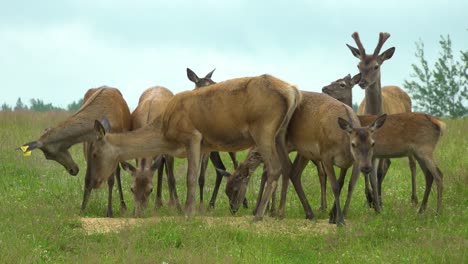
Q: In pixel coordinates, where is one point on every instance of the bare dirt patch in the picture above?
(268, 225)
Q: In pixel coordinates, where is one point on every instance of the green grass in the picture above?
(40, 220)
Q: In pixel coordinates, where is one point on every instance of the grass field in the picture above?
(40, 215)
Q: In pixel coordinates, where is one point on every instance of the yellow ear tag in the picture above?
(26, 153)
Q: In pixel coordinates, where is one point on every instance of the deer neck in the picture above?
(145, 142)
(374, 99)
(70, 132)
(348, 100)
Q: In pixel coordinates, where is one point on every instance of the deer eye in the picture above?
(151, 190)
(373, 143)
(342, 85)
(131, 189)
(376, 67)
(353, 145)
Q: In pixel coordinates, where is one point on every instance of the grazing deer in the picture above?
(54, 143)
(214, 156)
(184, 131)
(151, 105)
(375, 102)
(341, 90)
(315, 135)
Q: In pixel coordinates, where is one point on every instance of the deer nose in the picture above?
(324, 89)
(366, 169)
(73, 171)
(363, 84)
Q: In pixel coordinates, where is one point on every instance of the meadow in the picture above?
(40, 220)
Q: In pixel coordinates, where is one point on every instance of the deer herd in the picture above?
(264, 114)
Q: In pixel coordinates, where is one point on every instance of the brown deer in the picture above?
(184, 131)
(341, 90)
(151, 105)
(214, 156)
(315, 135)
(375, 103)
(404, 135)
(54, 143)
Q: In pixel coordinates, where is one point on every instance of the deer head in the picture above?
(369, 65)
(361, 141)
(341, 89)
(142, 184)
(200, 82)
(57, 151)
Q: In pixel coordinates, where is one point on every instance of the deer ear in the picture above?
(157, 163)
(378, 123)
(99, 128)
(208, 76)
(356, 78)
(192, 76)
(354, 51)
(127, 166)
(387, 54)
(223, 172)
(345, 125)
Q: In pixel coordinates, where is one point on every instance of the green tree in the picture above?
(6, 107)
(39, 106)
(442, 91)
(20, 106)
(75, 105)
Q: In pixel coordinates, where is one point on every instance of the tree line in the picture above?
(38, 105)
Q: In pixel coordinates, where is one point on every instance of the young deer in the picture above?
(315, 135)
(374, 103)
(54, 143)
(151, 105)
(184, 131)
(214, 156)
(341, 90)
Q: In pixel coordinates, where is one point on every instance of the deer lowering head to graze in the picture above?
(103, 102)
(410, 134)
(152, 104)
(315, 134)
(184, 131)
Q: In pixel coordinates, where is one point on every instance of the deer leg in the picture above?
(431, 172)
(86, 194)
(336, 215)
(171, 182)
(262, 188)
(352, 183)
(382, 169)
(323, 185)
(110, 184)
(123, 206)
(201, 178)
(300, 162)
(193, 157)
(286, 166)
(414, 195)
(158, 202)
(234, 159)
(218, 163)
(375, 192)
(272, 204)
(368, 191)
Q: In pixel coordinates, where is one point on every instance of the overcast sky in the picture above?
(56, 50)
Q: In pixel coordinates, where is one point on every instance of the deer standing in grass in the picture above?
(54, 143)
(403, 135)
(214, 156)
(151, 105)
(184, 131)
(315, 134)
(378, 100)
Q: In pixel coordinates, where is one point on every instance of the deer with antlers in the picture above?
(403, 135)
(184, 131)
(54, 143)
(378, 100)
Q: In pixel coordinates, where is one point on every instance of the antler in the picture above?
(356, 38)
(383, 36)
